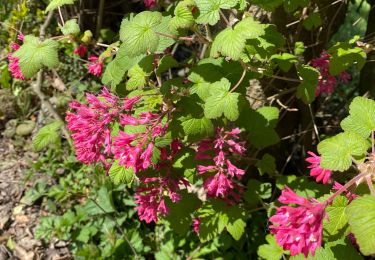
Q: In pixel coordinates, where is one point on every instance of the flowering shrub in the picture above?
(190, 141)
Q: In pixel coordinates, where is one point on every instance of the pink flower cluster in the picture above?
(90, 125)
(150, 197)
(136, 149)
(95, 66)
(14, 62)
(316, 171)
(327, 82)
(81, 50)
(150, 3)
(298, 229)
(222, 173)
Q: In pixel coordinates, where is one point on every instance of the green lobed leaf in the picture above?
(138, 33)
(47, 135)
(54, 4)
(344, 56)
(361, 217)
(336, 218)
(70, 27)
(271, 250)
(179, 217)
(361, 119)
(306, 90)
(266, 165)
(166, 63)
(260, 125)
(120, 174)
(215, 216)
(284, 60)
(337, 151)
(197, 128)
(256, 192)
(313, 21)
(222, 101)
(209, 10)
(183, 17)
(231, 42)
(139, 72)
(34, 54)
(163, 28)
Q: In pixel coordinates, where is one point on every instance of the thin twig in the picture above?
(118, 227)
(61, 16)
(99, 20)
(37, 87)
(239, 81)
(314, 124)
(224, 18)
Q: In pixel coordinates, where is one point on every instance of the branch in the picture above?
(37, 87)
(99, 21)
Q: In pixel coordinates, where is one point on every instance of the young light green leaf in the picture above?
(120, 174)
(47, 135)
(116, 69)
(361, 119)
(284, 60)
(71, 27)
(250, 28)
(343, 56)
(197, 128)
(361, 217)
(336, 218)
(337, 151)
(54, 4)
(306, 90)
(270, 251)
(138, 73)
(229, 43)
(33, 54)
(209, 10)
(221, 101)
(183, 17)
(138, 33)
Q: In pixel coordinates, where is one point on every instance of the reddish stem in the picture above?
(345, 187)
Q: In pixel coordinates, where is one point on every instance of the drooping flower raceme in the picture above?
(196, 225)
(327, 82)
(90, 124)
(298, 229)
(316, 171)
(95, 66)
(135, 150)
(14, 65)
(220, 171)
(150, 197)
